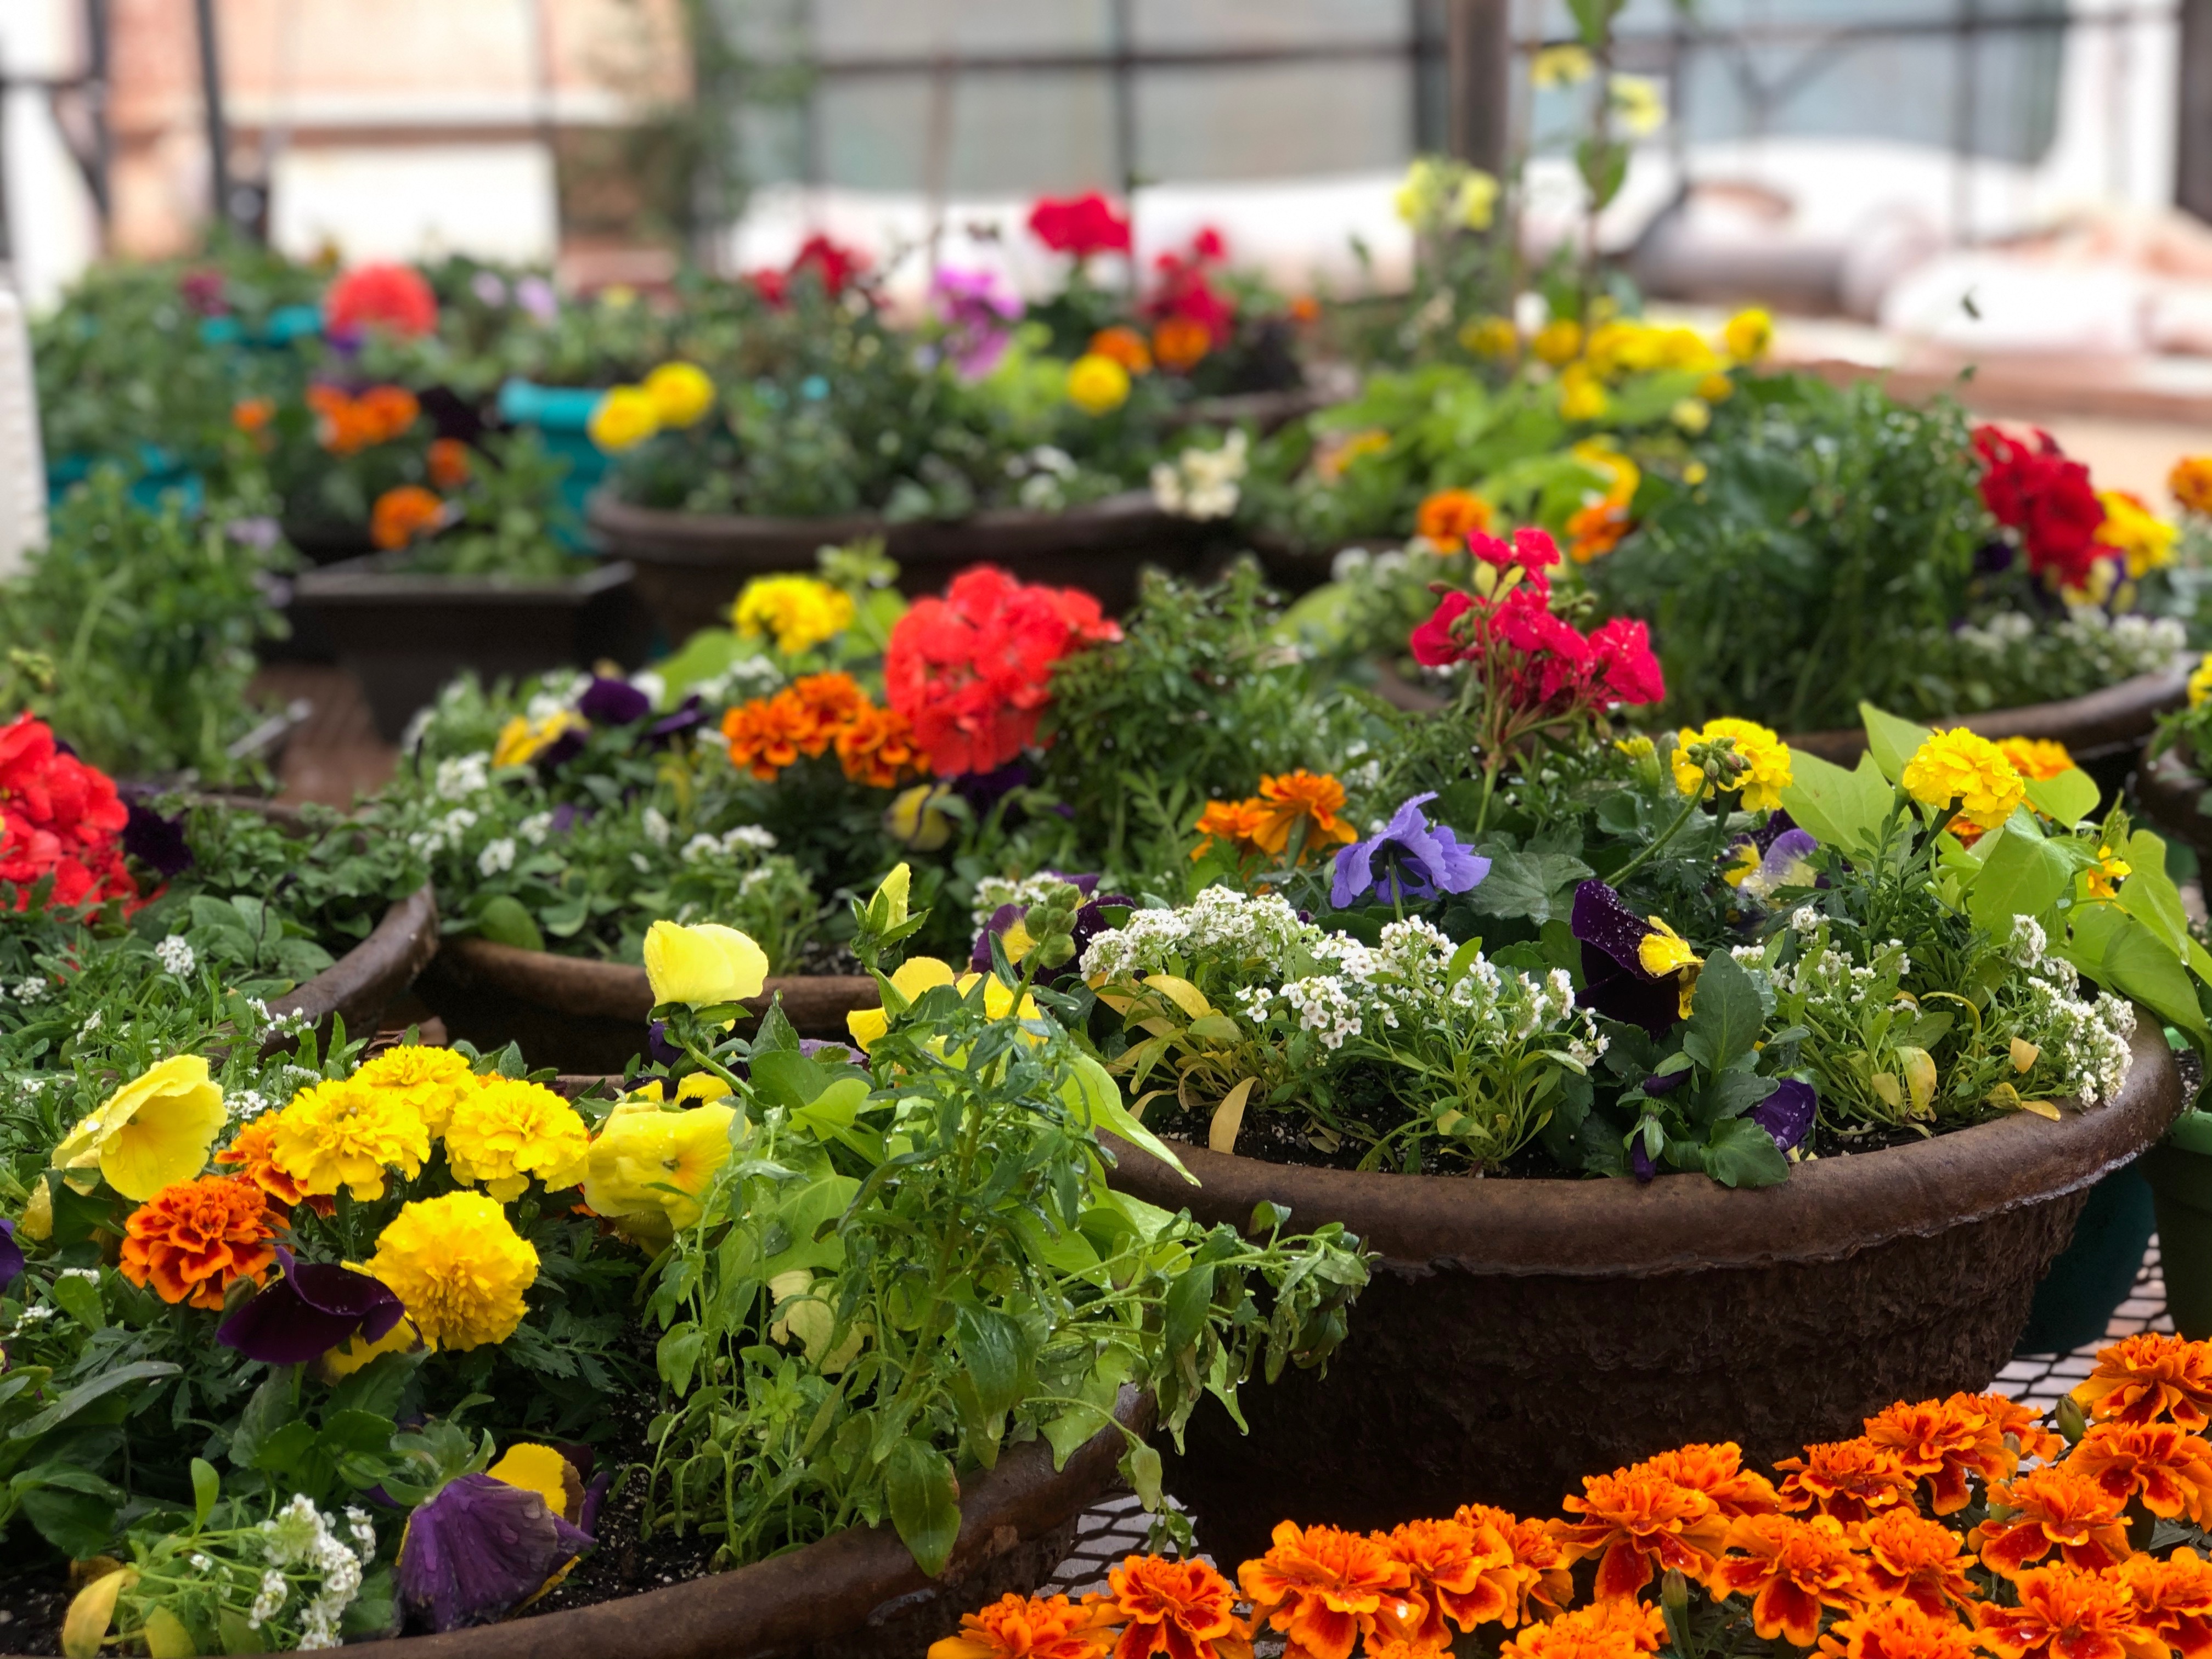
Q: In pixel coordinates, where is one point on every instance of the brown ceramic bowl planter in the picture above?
(584, 1016)
(1520, 1334)
(690, 565)
(2099, 727)
(2168, 790)
(375, 974)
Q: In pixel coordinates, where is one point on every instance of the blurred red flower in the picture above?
(1080, 225)
(396, 297)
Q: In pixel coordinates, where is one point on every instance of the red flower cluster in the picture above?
(972, 671)
(62, 818)
(1080, 225)
(1541, 662)
(1185, 290)
(396, 297)
(2048, 499)
(835, 266)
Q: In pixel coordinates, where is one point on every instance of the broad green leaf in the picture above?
(1841, 809)
(809, 1216)
(141, 1370)
(2069, 798)
(1091, 1089)
(79, 1299)
(1739, 1153)
(2150, 896)
(925, 1503)
(1141, 1465)
(677, 1354)
(1726, 1017)
(504, 920)
(1890, 740)
(207, 1487)
(2022, 876)
(990, 1344)
(1183, 1310)
(77, 1523)
(1534, 885)
(2124, 956)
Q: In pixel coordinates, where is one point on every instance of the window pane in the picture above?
(1274, 121)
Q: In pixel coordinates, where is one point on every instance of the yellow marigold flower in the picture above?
(641, 1151)
(2191, 481)
(1559, 341)
(1716, 388)
(2133, 529)
(703, 964)
(506, 1131)
(521, 738)
(152, 1133)
(681, 393)
(915, 975)
(1684, 348)
(433, 1081)
(346, 1133)
(1489, 336)
(460, 1268)
(2200, 681)
(1766, 755)
(1097, 385)
(1561, 66)
(1965, 767)
(1749, 335)
(625, 418)
(1581, 394)
(1692, 415)
(799, 612)
(2037, 759)
(1624, 346)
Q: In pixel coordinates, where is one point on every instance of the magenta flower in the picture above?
(979, 309)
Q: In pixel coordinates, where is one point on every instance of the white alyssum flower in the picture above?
(655, 825)
(274, 1592)
(31, 990)
(496, 857)
(1202, 483)
(176, 955)
(462, 777)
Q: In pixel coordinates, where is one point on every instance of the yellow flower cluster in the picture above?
(796, 611)
(344, 1133)
(2200, 681)
(674, 396)
(508, 1131)
(2133, 529)
(460, 1268)
(1766, 759)
(1590, 360)
(1965, 767)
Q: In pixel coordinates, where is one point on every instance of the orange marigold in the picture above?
(766, 734)
(1125, 346)
(1617, 1629)
(1181, 343)
(1237, 822)
(1181, 1608)
(1850, 1480)
(831, 702)
(1321, 1586)
(249, 1155)
(2168, 1467)
(1634, 1518)
(2061, 1509)
(2143, 1379)
(1540, 1566)
(2021, 1427)
(388, 410)
(1942, 1441)
(1791, 1569)
(1451, 516)
(1920, 1559)
(1315, 797)
(250, 414)
(2191, 481)
(447, 463)
(878, 748)
(1897, 1630)
(192, 1241)
(1718, 1472)
(2067, 1614)
(1025, 1627)
(1594, 531)
(2173, 1599)
(1455, 1571)
(401, 515)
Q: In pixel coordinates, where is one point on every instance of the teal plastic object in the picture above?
(561, 417)
(158, 473)
(286, 325)
(2094, 1273)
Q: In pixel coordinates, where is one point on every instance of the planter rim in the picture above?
(590, 989)
(1828, 1209)
(2100, 722)
(369, 577)
(793, 1599)
(683, 538)
(363, 982)
(2169, 789)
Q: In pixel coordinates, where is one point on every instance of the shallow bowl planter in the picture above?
(856, 1594)
(690, 565)
(405, 633)
(1519, 1335)
(2112, 722)
(2170, 791)
(585, 1015)
(375, 974)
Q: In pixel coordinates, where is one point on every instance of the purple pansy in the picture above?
(567, 816)
(1787, 1114)
(155, 841)
(478, 1550)
(1783, 850)
(829, 1053)
(984, 790)
(687, 716)
(978, 307)
(1615, 981)
(11, 1254)
(1408, 858)
(315, 1307)
(613, 702)
(489, 287)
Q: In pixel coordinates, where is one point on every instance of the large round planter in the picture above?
(375, 974)
(584, 1016)
(690, 565)
(857, 1594)
(2112, 722)
(405, 634)
(1520, 1334)
(2179, 1171)
(2170, 794)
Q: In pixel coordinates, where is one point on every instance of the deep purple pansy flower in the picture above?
(478, 1550)
(315, 1307)
(567, 817)
(1787, 1114)
(984, 790)
(1614, 979)
(613, 702)
(687, 716)
(155, 841)
(1408, 858)
(11, 1254)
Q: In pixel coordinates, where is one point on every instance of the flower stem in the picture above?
(1665, 836)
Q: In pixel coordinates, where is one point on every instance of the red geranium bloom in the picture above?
(2048, 499)
(1080, 225)
(59, 817)
(972, 671)
(1184, 291)
(382, 296)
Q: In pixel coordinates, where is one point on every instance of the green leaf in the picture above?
(1183, 1310)
(357, 1431)
(990, 1344)
(1839, 809)
(207, 1487)
(77, 1523)
(1140, 1464)
(504, 920)
(1890, 740)
(1726, 1017)
(2069, 798)
(1536, 885)
(141, 1370)
(282, 1451)
(925, 1503)
(2149, 893)
(1092, 1088)
(784, 1077)
(1739, 1153)
(2021, 876)
(2122, 955)
(677, 1353)
(79, 1299)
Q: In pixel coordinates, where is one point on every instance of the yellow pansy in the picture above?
(915, 975)
(625, 418)
(681, 393)
(152, 1133)
(702, 964)
(522, 739)
(641, 1152)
